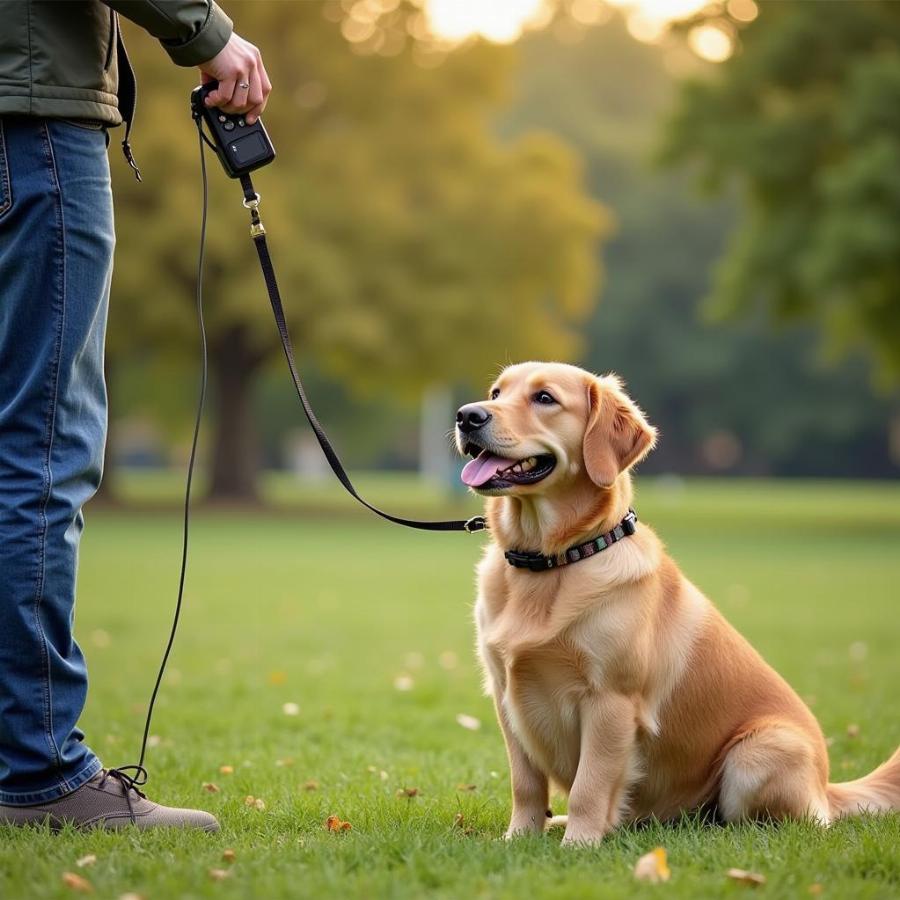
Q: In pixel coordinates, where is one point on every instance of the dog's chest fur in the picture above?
(547, 647)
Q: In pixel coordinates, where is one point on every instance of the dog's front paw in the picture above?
(522, 825)
(582, 837)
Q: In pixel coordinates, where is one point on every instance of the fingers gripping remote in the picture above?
(241, 147)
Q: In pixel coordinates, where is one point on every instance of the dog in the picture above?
(613, 676)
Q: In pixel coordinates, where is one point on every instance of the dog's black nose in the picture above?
(471, 417)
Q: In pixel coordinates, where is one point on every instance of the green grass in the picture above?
(327, 612)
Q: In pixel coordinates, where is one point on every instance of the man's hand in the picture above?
(244, 85)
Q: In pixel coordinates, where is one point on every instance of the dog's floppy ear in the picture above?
(617, 434)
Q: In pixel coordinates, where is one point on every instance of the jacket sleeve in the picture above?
(191, 31)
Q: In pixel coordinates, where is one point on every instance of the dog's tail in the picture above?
(878, 791)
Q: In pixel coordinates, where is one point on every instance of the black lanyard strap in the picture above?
(258, 233)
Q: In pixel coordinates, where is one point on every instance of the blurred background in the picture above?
(702, 197)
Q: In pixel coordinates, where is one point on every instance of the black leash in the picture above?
(258, 233)
(139, 775)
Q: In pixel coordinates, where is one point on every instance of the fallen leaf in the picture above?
(745, 877)
(210, 787)
(277, 678)
(87, 860)
(335, 823)
(249, 800)
(815, 889)
(219, 874)
(77, 883)
(853, 730)
(291, 709)
(260, 804)
(287, 761)
(154, 740)
(404, 683)
(459, 820)
(311, 785)
(653, 867)
(226, 770)
(407, 792)
(228, 856)
(383, 775)
(466, 787)
(469, 722)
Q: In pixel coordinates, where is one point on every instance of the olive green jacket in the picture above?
(58, 57)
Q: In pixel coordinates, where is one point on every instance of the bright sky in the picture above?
(503, 21)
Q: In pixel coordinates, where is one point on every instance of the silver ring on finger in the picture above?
(244, 85)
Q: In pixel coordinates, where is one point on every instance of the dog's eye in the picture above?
(544, 397)
(495, 393)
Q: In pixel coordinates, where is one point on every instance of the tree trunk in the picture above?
(436, 461)
(235, 450)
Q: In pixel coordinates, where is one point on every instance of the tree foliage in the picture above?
(412, 244)
(767, 392)
(805, 118)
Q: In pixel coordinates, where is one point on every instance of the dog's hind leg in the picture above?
(774, 771)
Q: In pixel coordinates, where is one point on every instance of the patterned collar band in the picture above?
(537, 562)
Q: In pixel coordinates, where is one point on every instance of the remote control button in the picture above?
(222, 118)
(229, 126)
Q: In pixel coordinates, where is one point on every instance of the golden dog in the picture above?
(614, 676)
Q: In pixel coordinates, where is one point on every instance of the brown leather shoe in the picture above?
(108, 800)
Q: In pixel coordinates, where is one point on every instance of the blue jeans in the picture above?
(56, 249)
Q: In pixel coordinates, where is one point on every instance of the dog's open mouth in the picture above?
(489, 471)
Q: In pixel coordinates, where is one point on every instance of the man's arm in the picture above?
(198, 33)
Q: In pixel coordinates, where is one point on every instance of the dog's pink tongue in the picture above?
(482, 468)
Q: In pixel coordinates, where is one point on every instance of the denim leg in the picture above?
(56, 247)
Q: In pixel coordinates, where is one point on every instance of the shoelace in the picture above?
(129, 783)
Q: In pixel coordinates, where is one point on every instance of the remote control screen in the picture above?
(249, 149)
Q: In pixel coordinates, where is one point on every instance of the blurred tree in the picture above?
(768, 397)
(805, 118)
(412, 245)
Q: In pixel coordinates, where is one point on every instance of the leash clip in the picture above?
(257, 229)
(476, 523)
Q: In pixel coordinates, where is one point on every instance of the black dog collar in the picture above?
(537, 562)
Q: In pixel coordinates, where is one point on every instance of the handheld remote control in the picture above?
(241, 147)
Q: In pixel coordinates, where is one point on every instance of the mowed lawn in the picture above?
(366, 628)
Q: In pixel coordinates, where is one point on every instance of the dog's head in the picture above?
(547, 426)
